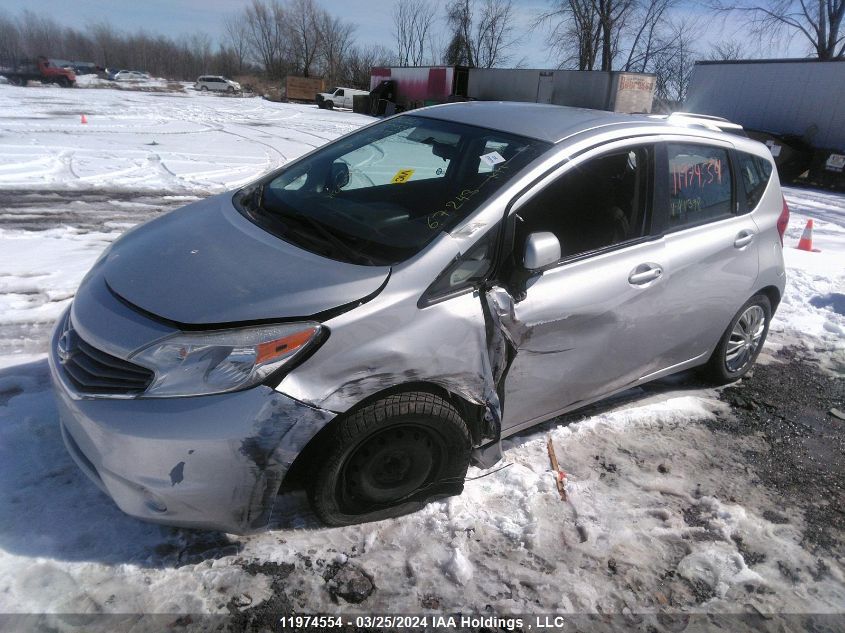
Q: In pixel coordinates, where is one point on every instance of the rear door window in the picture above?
(700, 185)
(755, 173)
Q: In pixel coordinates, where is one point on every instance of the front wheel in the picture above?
(389, 459)
(203, 88)
(329, 105)
(741, 343)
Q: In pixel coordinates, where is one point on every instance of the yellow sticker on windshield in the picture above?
(403, 175)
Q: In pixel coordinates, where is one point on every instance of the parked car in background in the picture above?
(371, 317)
(84, 68)
(217, 83)
(42, 69)
(129, 75)
(338, 98)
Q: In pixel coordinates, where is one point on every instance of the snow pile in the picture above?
(151, 83)
(812, 313)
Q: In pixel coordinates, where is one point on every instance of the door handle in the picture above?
(644, 273)
(744, 238)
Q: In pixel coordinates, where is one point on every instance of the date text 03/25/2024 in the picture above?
(422, 622)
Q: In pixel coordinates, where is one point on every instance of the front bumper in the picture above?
(212, 462)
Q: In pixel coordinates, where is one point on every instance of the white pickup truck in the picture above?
(338, 98)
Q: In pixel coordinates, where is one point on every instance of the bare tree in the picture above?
(104, 37)
(645, 33)
(336, 38)
(359, 62)
(818, 22)
(412, 24)
(303, 34)
(294, 36)
(606, 34)
(494, 33)
(265, 20)
(237, 41)
(480, 35)
(574, 32)
(39, 33)
(728, 50)
(11, 49)
(460, 51)
(674, 62)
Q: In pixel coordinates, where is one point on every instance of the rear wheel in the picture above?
(17, 81)
(741, 343)
(389, 459)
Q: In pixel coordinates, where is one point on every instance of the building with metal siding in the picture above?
(786, 96)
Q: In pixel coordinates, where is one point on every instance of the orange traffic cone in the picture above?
(806, 241)
(84, 119)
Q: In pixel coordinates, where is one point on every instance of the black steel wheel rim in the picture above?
(389, 467)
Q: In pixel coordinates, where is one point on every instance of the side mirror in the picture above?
(338, 177)
(541, 250)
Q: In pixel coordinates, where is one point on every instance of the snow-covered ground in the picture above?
(663, 511)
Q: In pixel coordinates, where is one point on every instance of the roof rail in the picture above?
(707, 121)
(709, 117)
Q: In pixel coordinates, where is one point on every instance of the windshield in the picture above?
(382, 194)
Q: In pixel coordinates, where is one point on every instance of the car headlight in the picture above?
(201, 363)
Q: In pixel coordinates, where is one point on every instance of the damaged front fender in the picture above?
(389, 342)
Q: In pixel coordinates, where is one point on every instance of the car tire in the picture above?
(329, 105)
(203, 88)
(389, 459)
(230, 90)
(741, 342)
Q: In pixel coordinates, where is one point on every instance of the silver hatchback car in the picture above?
(375, 316)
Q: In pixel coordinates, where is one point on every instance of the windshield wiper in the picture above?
(256, 196)
(252, 200)
(328, 236)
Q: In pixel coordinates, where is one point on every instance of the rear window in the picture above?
(755, 172)
(700, 184)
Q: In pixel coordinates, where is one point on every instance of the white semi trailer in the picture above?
(797, 106)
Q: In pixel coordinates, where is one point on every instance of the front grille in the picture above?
(94, 372)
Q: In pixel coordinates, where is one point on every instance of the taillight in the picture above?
(783, 221)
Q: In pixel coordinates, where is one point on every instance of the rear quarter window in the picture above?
(700, 184)
(755, 173)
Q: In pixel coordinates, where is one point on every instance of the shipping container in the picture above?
(426, 85)
(615, 91)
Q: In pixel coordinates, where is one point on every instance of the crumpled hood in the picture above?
(207, 264)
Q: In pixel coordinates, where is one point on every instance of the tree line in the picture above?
(275, 38)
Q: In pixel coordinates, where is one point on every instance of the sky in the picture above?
(373, 19)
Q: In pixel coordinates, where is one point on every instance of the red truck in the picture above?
(42, 70)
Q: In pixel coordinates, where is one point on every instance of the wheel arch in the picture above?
(773, 294)
(471, 413)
